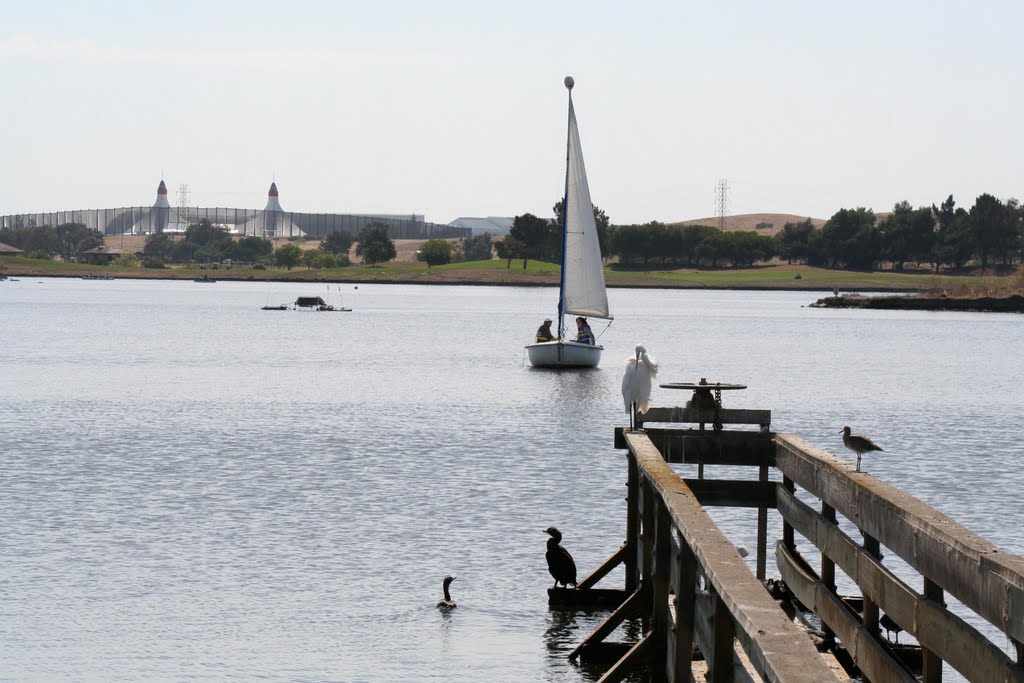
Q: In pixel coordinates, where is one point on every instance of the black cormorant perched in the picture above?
(560, 562)
(447, 603)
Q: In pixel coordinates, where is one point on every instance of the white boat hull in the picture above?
(568, 354)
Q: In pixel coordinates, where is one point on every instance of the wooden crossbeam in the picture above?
(627, 609)
(937, 629)
(871, 657)
(976, 572)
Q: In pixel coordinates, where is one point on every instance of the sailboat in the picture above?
(581, 289)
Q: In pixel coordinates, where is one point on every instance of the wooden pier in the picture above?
(705, 614)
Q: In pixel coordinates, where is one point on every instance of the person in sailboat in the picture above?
(544, 333)
(584, 335)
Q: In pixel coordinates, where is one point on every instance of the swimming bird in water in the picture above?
(636, 383)
(447, 603)
(560, 562)
(858, 444)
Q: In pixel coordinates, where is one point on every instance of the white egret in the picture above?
(636, 383)
(859, 444)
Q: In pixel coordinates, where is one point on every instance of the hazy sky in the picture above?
(458, 109)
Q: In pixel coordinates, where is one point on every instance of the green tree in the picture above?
(338, 242)
(908, 234)
(125, 261)
(713, 248)
(288, 255)
(850, 237)
(435, 252)
(746, 247)
(477, 247)
(159, 245)
(309, 257)
(794, 239)
(71, 239)
(510, 249)
(249, 249)
(205, 233)
(539, 238)
(996, 229)
(691, 236)
(954, 242)
(374, 246)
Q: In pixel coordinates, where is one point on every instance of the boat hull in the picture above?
(566, 354)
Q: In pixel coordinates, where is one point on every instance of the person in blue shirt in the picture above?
(584, 335)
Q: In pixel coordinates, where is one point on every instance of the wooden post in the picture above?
(720, 663)
(931, 665)
(828, 567)
(647, 535)
(762, 530)
(787, 529)
(685, 599)
(870, 619)
(659, 594)
(632, 523)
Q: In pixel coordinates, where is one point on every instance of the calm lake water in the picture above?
(194, 488)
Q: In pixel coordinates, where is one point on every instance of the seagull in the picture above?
(858, 444)
(560, 562)
(636, 383)
(447, 603)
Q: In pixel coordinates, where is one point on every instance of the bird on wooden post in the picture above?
(636, 383)
(560, 562)
(858, 444)
(447, 603)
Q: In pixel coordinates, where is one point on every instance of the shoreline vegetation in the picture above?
(926, 287)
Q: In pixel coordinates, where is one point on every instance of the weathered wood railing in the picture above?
(948, 557)
(689, 583)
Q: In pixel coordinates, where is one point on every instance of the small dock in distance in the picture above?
(707, 616)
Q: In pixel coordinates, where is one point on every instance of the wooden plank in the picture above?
(633, 658)
(877, 665)
(752, 449)
(684, 585)
(611, 563)
(740, 416)
(588, 597)
(978, 573)
(937, 629)
(742, 670)
(627, 609)
(777, 649)
(722, 644)
(733, 492)
(660, 613)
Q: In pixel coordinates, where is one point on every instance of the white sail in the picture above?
(584, 291)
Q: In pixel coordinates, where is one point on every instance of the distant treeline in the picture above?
(989, 232)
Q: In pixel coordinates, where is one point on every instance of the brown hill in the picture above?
(762, 223)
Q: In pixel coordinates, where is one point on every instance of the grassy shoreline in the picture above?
(539, 274)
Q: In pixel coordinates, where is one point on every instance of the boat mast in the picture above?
(569, 82)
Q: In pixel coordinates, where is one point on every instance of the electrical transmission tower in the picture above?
(722, 202)
(183, 205)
